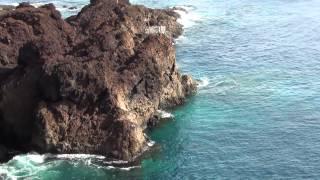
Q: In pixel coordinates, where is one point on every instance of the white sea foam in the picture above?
(203, 82)
(117, 162)
(77, 156)
(37, 4)
(29, 165)
(88, 158)
(180, 39)
(224, 86)
(188, 16)
(151, 143)
(22, 166)
(123, 168)
(218, 85)
(226, 83)
(72, 9)
(165, 115)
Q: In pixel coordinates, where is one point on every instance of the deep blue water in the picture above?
(257, 112)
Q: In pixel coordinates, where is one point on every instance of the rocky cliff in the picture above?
(88, 84)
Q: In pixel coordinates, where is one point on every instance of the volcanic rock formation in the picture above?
(87, 84)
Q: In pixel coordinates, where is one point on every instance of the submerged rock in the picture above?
(87, 84)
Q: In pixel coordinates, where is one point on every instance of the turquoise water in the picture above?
(257, 112)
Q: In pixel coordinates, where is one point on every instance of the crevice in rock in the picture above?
(28, 54)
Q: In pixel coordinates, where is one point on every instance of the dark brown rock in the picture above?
(89, 84)
(3, 153)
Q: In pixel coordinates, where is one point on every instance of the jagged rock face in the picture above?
(88, 84)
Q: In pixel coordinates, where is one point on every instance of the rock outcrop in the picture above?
(87, 84)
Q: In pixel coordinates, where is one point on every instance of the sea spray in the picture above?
(164, 114)
(23, 166)
(188, 16)
(30, 165)
(203, 82)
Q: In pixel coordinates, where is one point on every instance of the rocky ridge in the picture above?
(89, 84)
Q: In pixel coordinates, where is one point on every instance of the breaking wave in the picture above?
(31, 166)
(188, 16)
(203, 82)
(165, 114)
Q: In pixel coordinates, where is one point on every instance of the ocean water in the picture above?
(257, 112)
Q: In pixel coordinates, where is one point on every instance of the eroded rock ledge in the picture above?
(87, 84)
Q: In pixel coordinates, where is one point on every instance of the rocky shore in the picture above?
(88, 84)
